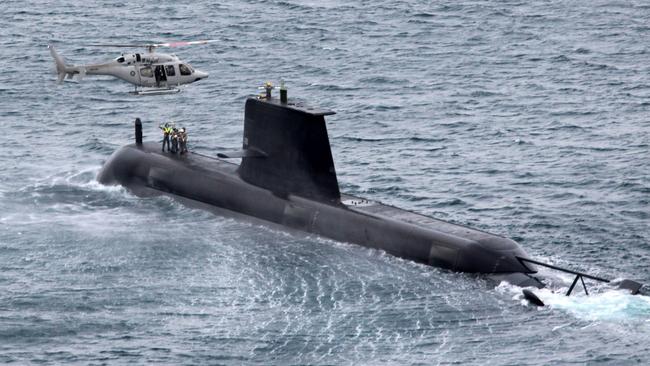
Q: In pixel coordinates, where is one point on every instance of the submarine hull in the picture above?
(145, 170)
(287, 178)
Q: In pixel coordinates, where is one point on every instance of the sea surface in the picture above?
(526, 119)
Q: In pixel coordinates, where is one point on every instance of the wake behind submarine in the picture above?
(287, 177)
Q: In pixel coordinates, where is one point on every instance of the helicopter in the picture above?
(154, 73)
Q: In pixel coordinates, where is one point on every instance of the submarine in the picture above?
(287, 177)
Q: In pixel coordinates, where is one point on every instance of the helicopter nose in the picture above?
(200, 75)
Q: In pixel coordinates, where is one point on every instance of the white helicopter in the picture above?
(155, 73)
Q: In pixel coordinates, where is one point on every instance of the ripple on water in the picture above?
(514, 118)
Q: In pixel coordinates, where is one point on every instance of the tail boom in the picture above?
(64, 70)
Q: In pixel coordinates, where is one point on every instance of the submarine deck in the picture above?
(365, 206)
(210, 165)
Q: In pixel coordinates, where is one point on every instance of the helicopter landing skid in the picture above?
(155, 91)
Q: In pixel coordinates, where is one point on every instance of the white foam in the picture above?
(606, 305)
(603, 305)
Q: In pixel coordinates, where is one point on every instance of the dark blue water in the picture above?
(526, 120)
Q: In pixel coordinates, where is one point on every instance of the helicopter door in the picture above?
(161, 77)
(172, 79)
(146, 76)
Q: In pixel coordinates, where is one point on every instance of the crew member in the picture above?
(157, 73)
(183, 140)
(167, 130)
(174, 134)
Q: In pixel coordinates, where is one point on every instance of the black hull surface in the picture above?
(144, 169)
(287, 177)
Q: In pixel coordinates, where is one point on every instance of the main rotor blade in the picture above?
(121, 45)
(151, 46)
(183, 43)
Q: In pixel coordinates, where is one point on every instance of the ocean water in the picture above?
(526, 119)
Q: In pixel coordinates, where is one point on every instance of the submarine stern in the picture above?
(119, 168)
(131, 166)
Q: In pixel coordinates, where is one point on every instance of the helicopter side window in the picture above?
(170, 70)
(120, 59)
(146, 72)
(184, 69)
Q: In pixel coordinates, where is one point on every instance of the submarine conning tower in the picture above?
(287, 150)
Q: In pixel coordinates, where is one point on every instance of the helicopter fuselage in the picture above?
(156, 70)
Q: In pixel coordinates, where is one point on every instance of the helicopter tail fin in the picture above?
(60, 63)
